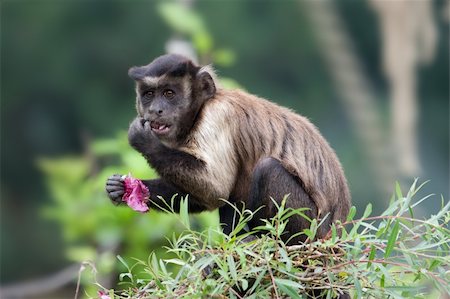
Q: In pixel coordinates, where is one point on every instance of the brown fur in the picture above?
(236, 130)
(221, 144)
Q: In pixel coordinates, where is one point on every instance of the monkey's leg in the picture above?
(229, 217)
(271, 179)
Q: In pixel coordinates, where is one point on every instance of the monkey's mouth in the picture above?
(159, 128)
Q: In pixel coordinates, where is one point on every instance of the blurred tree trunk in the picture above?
(409, 38)
(354, 89)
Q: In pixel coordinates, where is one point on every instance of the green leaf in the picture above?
(411, 213)
(175, 261)
(398, 190)
(224, 57)
(434, 264)
(232, 267)
(203, 42)
(373, 251)
(358, 287)
(184, 212)
(333, 233)
(123, 262)
(285, 258)
(81, 253)
(129, 275)
(367, 211)
(244, 284)
(291, 292)
(384, 276)
(382, 281)
(258, 280)
(406, 256)
(289, 283)
(421, 200)
(180, 18)
(351, 214)
(392, 239)
(313, 229)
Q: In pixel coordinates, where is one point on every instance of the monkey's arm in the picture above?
(176, 167)
(167, 161)
(158, 188)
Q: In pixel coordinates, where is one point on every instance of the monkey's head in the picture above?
(170, 93)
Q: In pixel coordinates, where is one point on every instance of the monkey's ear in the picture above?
(137, 72)
(205, 85)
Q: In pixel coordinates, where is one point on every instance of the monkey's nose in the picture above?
(157, 112)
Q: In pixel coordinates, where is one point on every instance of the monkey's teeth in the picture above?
(159, 128)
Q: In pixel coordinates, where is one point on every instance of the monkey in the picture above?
(212, 144)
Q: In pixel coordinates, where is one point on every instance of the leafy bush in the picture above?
(94, 229)
(393, 255)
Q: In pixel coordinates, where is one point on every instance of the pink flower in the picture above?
(103, 295)
(136, 194)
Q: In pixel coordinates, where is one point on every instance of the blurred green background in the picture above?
(66, 103)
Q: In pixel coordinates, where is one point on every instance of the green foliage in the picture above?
(189, 23)
(389, 256)
(93, 228)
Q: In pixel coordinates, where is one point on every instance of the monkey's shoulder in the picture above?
(248, 111)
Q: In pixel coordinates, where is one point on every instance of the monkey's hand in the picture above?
(115, 188)
(140, 135)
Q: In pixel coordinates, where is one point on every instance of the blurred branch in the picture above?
(184, 22)
(354, 87)
(41, 286)
(55, 281)
(86, 139)
(176, 45)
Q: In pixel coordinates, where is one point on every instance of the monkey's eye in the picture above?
(148, 94)
(168, 93)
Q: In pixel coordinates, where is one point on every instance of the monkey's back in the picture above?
(262, 129)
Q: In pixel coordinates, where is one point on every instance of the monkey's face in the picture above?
(170, 93)
(166, 108)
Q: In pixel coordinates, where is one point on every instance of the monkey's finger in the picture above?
(137, 123)
(114, 183)
(116, 195)
(117, 177)
(115, 180)
(147, 126)
(113, 188)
